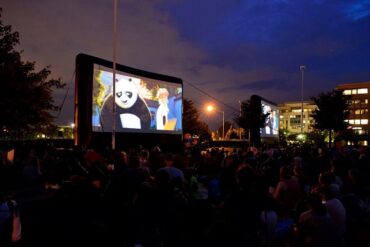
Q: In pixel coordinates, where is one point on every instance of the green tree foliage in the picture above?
(332, 110)
(191, 121)
(317, 137)
(251, 118)
(203, 131)
(26, 96)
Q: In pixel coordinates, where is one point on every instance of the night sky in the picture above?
(230, 49)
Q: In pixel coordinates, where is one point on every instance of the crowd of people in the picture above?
(270, 196)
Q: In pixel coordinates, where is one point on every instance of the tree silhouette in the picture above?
(331, 112)
(26, 96)
(251, 118)
(191, 122)
(243, 119)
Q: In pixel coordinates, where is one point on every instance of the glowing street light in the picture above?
(211, 108)
(73, 130)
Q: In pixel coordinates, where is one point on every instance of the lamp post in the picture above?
(73, 130)
(210, 108)
(302, 68)
(240, 115)
(114, 51)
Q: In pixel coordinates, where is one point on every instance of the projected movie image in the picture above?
(142, 104)
(272, 121)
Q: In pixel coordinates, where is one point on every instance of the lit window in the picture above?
(354, 91)
(357, 121)
(362, 91)
(351, 121)
(347, 92)
(364, 121)
(359, 111)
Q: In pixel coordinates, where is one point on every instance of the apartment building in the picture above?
(359, 108)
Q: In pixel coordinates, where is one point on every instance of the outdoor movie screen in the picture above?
(143, 105)
(271, 128)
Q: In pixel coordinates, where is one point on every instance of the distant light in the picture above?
(301, 137)
(72, 125)
(210, 108)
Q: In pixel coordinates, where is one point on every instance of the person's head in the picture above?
(133, 161)
(124, 157)
(245, 176)
(144, 156)
(284, 172)
(326, 192)
(162, 179)
(157, 149)
(314, 201)
(297, 170)
(169, 160)
(297, 160)
(353, 175)
(325, 178)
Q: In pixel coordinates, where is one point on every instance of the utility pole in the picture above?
(114, 75)
(240, 115)
(302, 68)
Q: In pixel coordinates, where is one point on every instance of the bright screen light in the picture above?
(272, 121)
(142, 104)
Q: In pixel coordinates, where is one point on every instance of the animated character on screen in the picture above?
(163, 110)
(131, 110)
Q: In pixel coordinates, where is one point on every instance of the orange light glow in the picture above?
(210, 108)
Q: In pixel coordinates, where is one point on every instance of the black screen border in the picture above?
(84, 134)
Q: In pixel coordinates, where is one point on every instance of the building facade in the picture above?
(290, 116)
(359, 108)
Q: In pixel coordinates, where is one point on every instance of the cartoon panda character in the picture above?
(131, 110)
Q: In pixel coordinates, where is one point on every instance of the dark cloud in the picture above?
(230, 49)
(275, 84)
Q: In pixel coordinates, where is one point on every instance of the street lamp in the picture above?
(73, 130)
(302, 68)
(211, 108)
(240, 115)
(114, 51)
